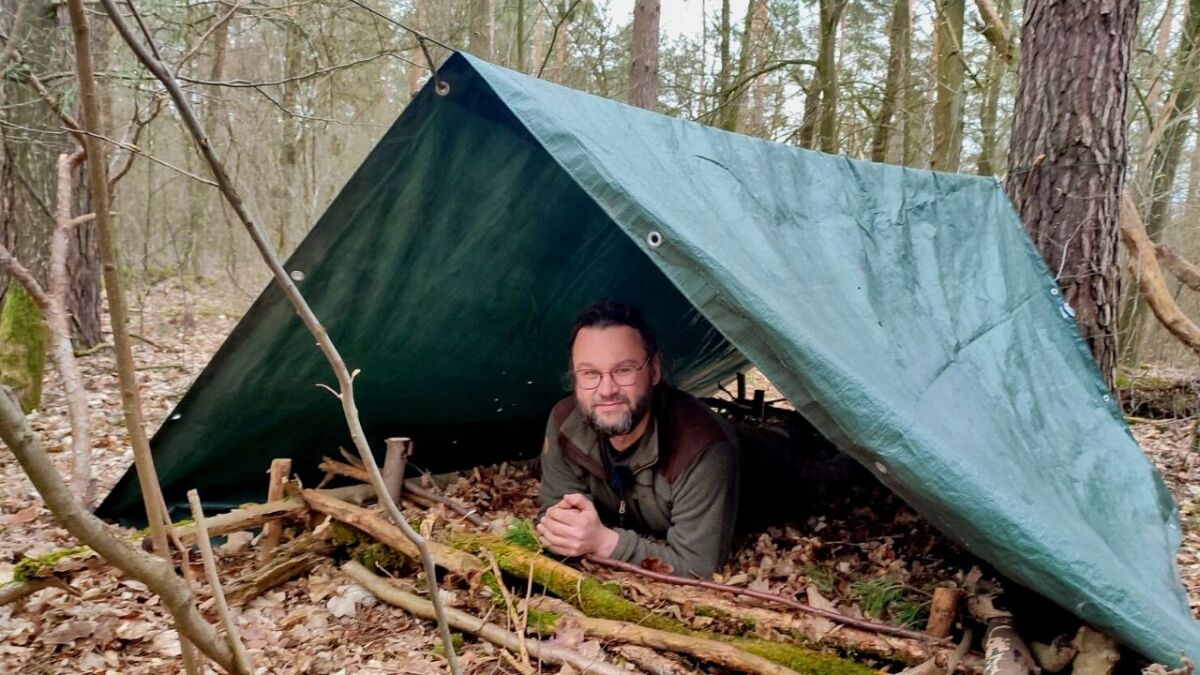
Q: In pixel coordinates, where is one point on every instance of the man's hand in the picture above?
(572, 527)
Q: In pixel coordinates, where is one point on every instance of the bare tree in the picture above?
(948, 107)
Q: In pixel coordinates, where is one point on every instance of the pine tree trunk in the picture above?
(643, 55)
(831, 18)
(947, 109)
(899, 40)
(1068, 152)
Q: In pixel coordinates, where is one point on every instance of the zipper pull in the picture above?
(621, 512)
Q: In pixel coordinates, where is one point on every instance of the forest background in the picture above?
(294, 94)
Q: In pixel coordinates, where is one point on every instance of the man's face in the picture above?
(611, 408)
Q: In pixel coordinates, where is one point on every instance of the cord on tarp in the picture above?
(440, 86)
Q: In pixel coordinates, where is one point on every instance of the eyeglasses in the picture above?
(623, 375)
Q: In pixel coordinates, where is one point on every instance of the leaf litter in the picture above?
(879, 562)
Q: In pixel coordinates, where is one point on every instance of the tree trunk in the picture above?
(759, 34)
(899, 44)
(483, 28)
(997, 68)
(417, 66)
(947, 109)
(1068, 152)
(1162, 41)
(725, 73)
(819, 124)
(643, 55)
(730, 101)
(914, 108)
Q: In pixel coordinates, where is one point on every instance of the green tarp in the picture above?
(904, 312)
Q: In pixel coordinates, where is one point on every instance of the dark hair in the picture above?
(608, 313)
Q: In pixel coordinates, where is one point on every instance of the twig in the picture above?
(838, 617)
(412, 487)
(156, 573)
(280, 468)
(214, 584)
(510, 608)
(470, 624)
(960, 651)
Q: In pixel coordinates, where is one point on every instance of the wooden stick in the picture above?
(721, 653)
(281, 467)
(862, 624)
(374, 525)
(470, 624)
(411, 487)
(942, 611)
(214, 583)
(254, 515)
(394, 462)
(13, 591)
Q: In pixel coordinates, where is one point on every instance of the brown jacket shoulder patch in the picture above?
(692, 428)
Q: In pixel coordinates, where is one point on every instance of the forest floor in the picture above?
(867, 553)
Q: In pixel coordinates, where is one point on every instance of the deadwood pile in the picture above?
(864, 580)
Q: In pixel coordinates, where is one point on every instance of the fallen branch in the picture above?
(473, 625)
(290, 561)
(1005, 652)
(15, 590)
(214, 585)
(600, 601)
(255, 515)
(156, 573)
(1144, 266)
(412, 489)
(838, 617)
(374, 525)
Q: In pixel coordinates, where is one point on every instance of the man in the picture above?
(632, 468)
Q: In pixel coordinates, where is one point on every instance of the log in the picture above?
(601, 601)
(294, 558)
(725, 654)
(394, 463)
(473, 625)
(1097, 655)
(650, 661)
(280, 468)
(815, 630)
(942, 611)
(1005, 652)
(374, 525)
(15, 590)
(254, 515)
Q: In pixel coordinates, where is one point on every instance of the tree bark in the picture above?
(996, 69)
(899, 45)
(1068, 152)
(948, 107)
(643, 55)
(819, 124)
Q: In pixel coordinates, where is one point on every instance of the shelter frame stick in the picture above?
(345, 379)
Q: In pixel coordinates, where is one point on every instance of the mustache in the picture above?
(619, 398)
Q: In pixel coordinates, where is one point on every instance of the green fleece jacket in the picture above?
(682, 506)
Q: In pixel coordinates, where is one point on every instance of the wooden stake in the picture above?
(214, 583)
(281, 467)
(942, 611)
(394, 463)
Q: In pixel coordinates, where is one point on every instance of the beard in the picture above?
(620, 421)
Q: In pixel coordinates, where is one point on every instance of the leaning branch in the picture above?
(345, 378)
(1183, 270)
(994, 30)
(1144, 266)
(154, 572)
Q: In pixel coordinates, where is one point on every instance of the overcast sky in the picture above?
(679, 17)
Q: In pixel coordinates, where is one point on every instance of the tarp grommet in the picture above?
(296, 275)
(1053, 291)
(881, 467)
(654, 239)
(441, 87)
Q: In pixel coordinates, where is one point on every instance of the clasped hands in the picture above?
(573, 528)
